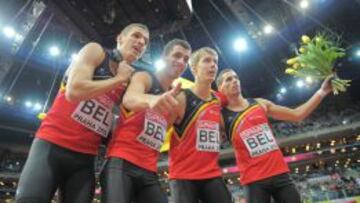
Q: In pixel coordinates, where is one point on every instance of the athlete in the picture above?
(263, 171)
(62, 154)
(194, 148)
(130, 172)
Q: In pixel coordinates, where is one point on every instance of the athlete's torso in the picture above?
(195, 144)
(257, 153)
(78, 126)
(139, 136)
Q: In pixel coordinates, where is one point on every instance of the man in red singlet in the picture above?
(194, 148)
(263, 171)
(130, 172)
(62, 154)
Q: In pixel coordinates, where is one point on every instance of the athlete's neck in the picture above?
(126, 57)
(237, 102)
(202, 90)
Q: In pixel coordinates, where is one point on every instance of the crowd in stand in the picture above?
(329, 184)
(319, 185)
(330, 116)
(11, 162)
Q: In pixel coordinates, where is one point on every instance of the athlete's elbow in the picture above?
(297, 117)
(127, 102)
(72, 96)
(133, 103)
(74, 92)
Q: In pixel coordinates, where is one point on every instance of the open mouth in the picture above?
(235, 88)
(212, 73)
(137, 49)
(178, 68)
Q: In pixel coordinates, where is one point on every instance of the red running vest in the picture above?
(195, 145)
(257, 153)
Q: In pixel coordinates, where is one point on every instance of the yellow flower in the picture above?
(296, 66)
(291, 61)
(305, 39)
(290, 71)
(41, 116)
(302, 50)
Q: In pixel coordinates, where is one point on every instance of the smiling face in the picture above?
(176, 60)
(132, 42)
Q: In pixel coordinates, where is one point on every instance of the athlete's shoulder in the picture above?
(142, 74)
(264, 103)
(94, 47)
(141, 78)
(92, 51)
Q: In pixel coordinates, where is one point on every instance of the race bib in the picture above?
(95, 114)
(208, 136)
(259, 140)
(154, 131)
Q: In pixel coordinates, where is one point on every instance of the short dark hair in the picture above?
(219, 79)
(171, 44)
(129, 27)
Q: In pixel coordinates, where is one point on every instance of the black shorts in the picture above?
(50, 167)
(280, 187)
(124, 182)
(211, 190)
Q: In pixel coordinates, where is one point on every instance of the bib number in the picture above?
(94, 115)
(154, 131)
(259, 140)
(208, 136)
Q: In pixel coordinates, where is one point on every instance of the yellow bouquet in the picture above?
(315, 58)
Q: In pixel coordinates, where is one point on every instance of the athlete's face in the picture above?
(176, 61)
(230, 85)
(133, 43)
(207, 67)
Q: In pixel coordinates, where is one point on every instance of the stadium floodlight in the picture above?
(54, 51)
(37, 106)
(304, 4)
(300, 83)
(268, 29)
(28, 104)
(357, 53)
(8, 98)
(240, 45)
(9, 32)
(283, 90)
(159, 64)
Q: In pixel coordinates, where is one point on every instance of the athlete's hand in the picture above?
(124, 72)
(166, 103)
(326, 85)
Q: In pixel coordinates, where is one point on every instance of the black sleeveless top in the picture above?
(193, 104)
(231, 116)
